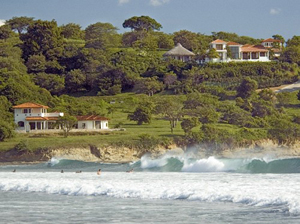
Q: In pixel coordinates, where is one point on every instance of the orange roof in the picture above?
(218, 41)
(41, 118)
(91, 118)
(271, 40)
(253, 48)
(232, 43)
(30, 105)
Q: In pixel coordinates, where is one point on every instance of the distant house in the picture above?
(92, 122)
(274, 45)
(32, 116)
(179, 53)
(238, 52)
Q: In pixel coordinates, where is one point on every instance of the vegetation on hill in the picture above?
(81, 72)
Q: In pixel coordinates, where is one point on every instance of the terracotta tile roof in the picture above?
(271, 40)
(253, 48)
(218, 41)
(30, 105)
(233, 43)
(41, 118)
(91, 118)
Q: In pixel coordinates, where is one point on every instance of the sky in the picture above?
(254, 18)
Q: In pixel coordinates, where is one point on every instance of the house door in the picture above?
(32, 125)
(97, 125)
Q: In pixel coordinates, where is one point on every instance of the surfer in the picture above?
(62, 171)
(129, 171)
(78, 171)
(14, 171)
(99, 172)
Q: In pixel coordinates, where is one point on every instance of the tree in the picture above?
(247, 88)
(212, 53)
(188, 124)
(208, 115)
(171, 108)
(267, 95)
(295, 41)
(140, 115)
(6, 130)
(291, 54)
(66, 123)
(101, 36)
(143, 113)
(285, 98)
(148, 86)
(74, 80)
(43, 38)
(20, 24)
(141, 23)
(52, 82)
(5, 32)
(279, 37)
(112, 82)
(36, 63)
(72, 31)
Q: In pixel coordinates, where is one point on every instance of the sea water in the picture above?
(170, 189)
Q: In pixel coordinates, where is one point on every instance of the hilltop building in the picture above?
(33, 116)
(238, 52)
(275, 46)
(179, 53)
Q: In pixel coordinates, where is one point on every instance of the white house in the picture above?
(274, 45)
(92, 122)
(32, 116)
(238, 52)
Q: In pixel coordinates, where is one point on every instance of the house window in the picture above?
(246, 55)
(254, 55)
(26, 111)
(21, 124)
(262, 54)
(234, 52)
(219, 46)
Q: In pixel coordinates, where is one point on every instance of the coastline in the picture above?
(259, 149)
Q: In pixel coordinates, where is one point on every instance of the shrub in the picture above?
(6, 131)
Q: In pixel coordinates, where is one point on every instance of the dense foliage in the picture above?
(214, 103)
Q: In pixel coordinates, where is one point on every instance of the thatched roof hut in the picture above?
(179, 53)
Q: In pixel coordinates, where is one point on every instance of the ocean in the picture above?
(169, 189)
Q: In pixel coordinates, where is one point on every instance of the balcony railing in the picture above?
(58, 114)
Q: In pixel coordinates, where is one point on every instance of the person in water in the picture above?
(62, 171)
(14, 171)
(99, 172)
(129, 171)
(78, 171)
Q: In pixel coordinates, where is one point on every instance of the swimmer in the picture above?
(129, 171)
(99, 172)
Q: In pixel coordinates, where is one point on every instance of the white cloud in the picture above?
(158, 2)
(2, 22)
(275, 11)
(121, 2)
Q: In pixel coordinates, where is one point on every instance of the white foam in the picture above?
(210, 164)
(250, 189)
(53, 161)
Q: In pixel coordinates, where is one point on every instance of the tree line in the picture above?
(46, 63)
